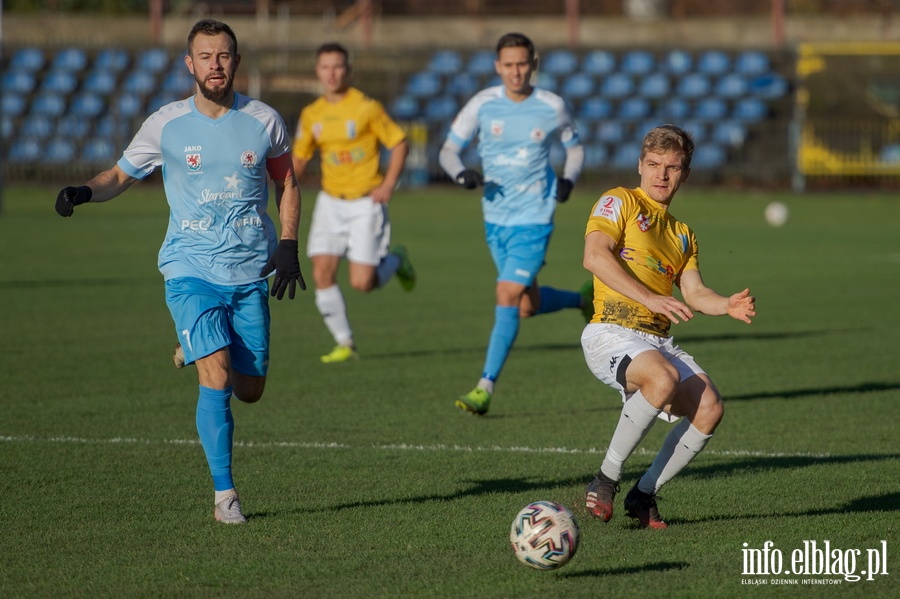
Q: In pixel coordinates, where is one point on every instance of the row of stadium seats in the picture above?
(71, 105)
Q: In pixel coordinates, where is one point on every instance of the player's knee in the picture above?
(527, 311)
(363, 285)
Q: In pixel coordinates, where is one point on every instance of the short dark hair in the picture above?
(669, 138)
(211, 27)
(331, 48)
(516, 40)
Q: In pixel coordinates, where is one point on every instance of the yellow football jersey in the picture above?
(651, 244)
(347, 134)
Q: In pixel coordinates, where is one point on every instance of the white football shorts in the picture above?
(359, 230)
(610, 348)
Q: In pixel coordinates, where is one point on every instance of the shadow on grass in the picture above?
(750, 464)
(655, 567)
(813, 391)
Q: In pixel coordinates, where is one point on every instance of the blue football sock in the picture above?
(506, 328)
(215, 426)
(553, 299)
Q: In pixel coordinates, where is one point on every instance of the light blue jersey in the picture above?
(216, 184)
(514, 145)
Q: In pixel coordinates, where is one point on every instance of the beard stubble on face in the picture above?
(216, 94)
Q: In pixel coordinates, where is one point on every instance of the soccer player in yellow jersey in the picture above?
(637, 251)
(350, 219)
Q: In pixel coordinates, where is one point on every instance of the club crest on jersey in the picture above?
(496, 128)
(248, 158)
(537, 135)
(194, 162)
(643, 222)
(351, 129)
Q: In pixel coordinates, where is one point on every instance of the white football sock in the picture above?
(387, 267)
(486, 384)
(682, 445)
(330, 303)
(638, 417)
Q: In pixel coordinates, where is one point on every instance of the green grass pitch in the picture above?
(363, 479)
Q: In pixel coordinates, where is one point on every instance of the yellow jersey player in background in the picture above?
(638, 251)
(350, 219)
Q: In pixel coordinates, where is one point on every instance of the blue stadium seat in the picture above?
(87, 105)
(152, 59)
(21, 82)
(445, 62)
(626, 156)
(423, 85)
(750, 110)
(696, 128)
(731, 85)
(617, 85)
(637, 62)
(674, 109)
(70, 59)
(98, 150)
(595, 108)
(711, 109)
(751, 62)
(654, 85)
(127, 105)
(48, 104)
(73, 127)
(585, 130)
(577, 86)
(694, 85)
(405, 108)
(595, 155)
(611, 132)
(708, 156)
(59, 150)
(634, 109)
(677, 62)
(100, 82)
(729, 133)
(159, 100)
(36, 126)
(12, 104)
(59, 82)
(441, 108)
(890, 154)
(598, 62)
(112, 59)
(27, 59)
(180, 82)
(547, 81)
(481, 63)
(713, 62)
(7, 127)
(770, 86)
(24, 150)
(139, 82)
(113, 127)
(463, 85)
(559, 62)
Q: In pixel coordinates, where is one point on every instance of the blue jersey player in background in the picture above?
(516, 125)
(217, 150)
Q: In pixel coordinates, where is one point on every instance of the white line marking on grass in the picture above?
(389, 446)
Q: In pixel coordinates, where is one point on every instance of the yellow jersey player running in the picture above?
(637, 251)
(350, 219)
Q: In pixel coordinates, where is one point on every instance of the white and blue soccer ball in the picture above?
(544, 535)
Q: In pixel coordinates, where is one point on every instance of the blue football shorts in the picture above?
(518, 251)
(209, 317)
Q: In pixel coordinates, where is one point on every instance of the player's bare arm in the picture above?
(108, 184)
(600, 260)
(384, 192)
(740, 306)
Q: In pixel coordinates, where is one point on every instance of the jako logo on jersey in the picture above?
(194, 161)
(537, 135)
(351, 129)
(496, 128)
(248, 158)
(608, 208)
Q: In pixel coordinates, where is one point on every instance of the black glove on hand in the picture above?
(286, 265)
(70, 197)
(470, 179)
(563, 189)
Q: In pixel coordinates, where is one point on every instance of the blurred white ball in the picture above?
(777, 214)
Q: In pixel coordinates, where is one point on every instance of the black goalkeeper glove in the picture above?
(563, 189)
(286, 265)
(470, 179)
(70, 197)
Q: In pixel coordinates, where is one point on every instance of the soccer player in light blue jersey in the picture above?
(516, 125)
(217, 150)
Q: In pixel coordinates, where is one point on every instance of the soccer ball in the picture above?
(777, 214)
(544, 535)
